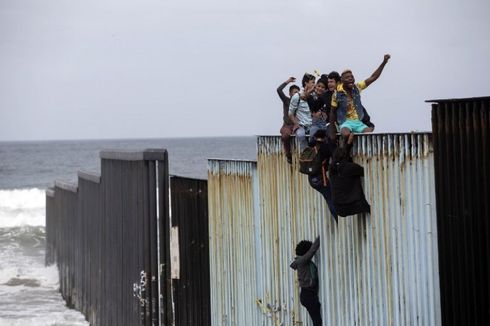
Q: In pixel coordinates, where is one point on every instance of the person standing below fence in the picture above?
(346, 101)
(308, 278)
(299, 111)
(287, 125)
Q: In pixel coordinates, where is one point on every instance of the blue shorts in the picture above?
(353, 125)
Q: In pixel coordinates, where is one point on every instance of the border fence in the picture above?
(379, 269)
(420, 258)
(461, 130)
(103, 236)
(190, 218)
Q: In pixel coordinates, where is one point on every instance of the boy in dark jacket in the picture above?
(320, 181)
(345, 176)
(308, 278)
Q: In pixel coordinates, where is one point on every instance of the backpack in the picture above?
(310, 161)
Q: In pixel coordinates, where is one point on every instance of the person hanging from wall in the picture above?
(345, 176)
(299, 111)
(308, 278)
(287, 126)
(346, 101)
(317, 175)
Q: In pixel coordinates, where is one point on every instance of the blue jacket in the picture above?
(341, 97)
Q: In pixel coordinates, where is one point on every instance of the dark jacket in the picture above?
(367, 119)
(327, 99)
(324, 154)
(316, 103)
(347, 194)
(307, 271)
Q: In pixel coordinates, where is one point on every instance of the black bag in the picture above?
(310, 161)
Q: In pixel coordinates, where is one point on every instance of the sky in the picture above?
(97, 69)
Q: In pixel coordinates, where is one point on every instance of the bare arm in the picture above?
(310, 253)
(307, 92)
(378, 71)
(281, 87)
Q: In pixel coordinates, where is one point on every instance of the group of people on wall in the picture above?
(316, 115)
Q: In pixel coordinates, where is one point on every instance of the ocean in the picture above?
(29, 291)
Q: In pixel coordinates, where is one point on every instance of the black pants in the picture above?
(316, 182)
(309, 299)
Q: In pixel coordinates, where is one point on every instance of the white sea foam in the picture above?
(29, 291)
(20, 207)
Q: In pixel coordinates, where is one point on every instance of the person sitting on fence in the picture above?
(333, 80)
(308, 278)
(299, 111)
(287, 126)
(345, 176)
(319, 181)
(346, 101)
(317, 108)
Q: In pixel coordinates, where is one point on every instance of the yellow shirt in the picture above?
(351, 113)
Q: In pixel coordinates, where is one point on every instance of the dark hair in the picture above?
(302, 247)
(334, 75)
(340, 154)
(321, 133)
(306, 78)
(293, 87)
(323, 81)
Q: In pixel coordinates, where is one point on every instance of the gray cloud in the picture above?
(126, 69)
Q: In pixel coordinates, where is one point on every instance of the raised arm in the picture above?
(310, 253)
(281, 87)
(378, 71)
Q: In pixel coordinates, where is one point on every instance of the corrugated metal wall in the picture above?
(102, 233)
(190, 216)
(462, 160)
(380, 269)
(233, 236)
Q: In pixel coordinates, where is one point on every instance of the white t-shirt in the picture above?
(301, 110)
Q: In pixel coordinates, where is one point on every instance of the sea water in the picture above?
(29, 290)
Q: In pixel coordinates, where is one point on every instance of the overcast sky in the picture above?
(92, 69)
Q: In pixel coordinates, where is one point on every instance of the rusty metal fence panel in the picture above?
(190, 215)
(233, 236)
(380, 269)
(462, 165)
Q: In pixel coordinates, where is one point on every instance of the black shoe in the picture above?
(289, 159)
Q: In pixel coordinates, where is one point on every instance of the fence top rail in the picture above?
(231, 160)
(89, 176)
(175, 176)
(412, 132)
(150, 154)
(68, 186)
(468, 99)
(50, 192)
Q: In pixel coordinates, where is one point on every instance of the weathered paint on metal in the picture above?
(462, 173)
(232, 242)
(379, 269)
